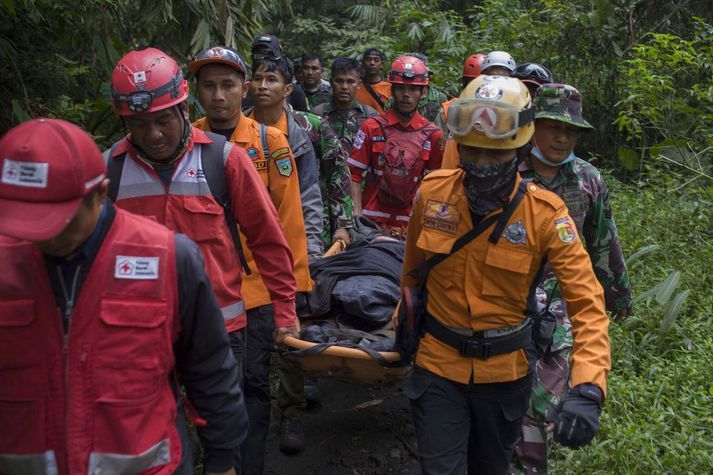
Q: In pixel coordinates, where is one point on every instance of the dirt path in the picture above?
(359, 430)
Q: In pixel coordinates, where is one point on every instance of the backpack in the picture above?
(403, 157)
(214, 171)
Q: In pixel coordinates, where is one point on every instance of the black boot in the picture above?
(292, 436)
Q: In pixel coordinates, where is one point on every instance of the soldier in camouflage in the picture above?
(343, 112)
(334, 177)
(429, 106)
(317, 90)
(553, 165)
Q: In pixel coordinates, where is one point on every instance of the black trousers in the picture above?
(237, 345)
(259, 343)
(465, 427)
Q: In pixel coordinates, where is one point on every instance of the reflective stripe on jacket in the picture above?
(99, 400)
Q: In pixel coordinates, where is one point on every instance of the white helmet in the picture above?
(499, 58)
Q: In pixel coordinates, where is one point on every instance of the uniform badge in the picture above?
(359, 140)
(441, 216)
(515, 233)
(284, 166)
(136, 268)
(252, 153)
(260, 165)
(565, 230)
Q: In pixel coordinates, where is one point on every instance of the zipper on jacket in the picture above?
(69, 298)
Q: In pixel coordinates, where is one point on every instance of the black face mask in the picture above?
(489, 187)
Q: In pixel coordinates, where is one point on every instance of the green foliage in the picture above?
(657, 417)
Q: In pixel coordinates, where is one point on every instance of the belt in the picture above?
(478, 346)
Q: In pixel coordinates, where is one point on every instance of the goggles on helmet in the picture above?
(140, 101)
(492, 119)
(534, 72)
(268, 55)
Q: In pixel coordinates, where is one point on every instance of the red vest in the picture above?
(187, 206)
(97, 401)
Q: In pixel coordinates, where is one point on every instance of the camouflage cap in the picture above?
(560, 102)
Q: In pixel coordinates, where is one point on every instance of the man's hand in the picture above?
(281, 333)
(575, 419)
(230, 471)
(343, 234)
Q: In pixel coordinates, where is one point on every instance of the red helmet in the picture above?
(473, 65)
(147, 81)
(408, 70)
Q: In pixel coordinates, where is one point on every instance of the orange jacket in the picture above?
(381, 88)
(485, 286)
(284, 190)
(451, 158)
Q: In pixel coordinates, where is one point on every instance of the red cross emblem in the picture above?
(11, 172)
(125, 268)
(192, 172)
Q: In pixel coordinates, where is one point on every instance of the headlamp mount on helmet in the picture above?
(140, 101)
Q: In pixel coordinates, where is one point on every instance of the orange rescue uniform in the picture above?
(485, 286)
(381, 88)
(285, 194)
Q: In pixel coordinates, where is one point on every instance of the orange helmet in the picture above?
(473, 65)
(408, 70)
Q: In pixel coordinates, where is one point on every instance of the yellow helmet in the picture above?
(492, 112)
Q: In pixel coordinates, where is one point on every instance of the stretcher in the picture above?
(350, 364)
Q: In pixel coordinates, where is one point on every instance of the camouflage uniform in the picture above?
(583, 190)
(334, 176)
(345, 123)
(321, 95)
(429, 106)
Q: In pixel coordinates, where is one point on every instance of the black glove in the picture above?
(576, 417)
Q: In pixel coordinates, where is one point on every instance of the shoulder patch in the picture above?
(359, 140)
(284, 166)
(546, 196)
(280, 153)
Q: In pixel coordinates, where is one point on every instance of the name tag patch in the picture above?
(27, 174)
(441, 216)
(136, 268)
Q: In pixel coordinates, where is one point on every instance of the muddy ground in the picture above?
(358, 430)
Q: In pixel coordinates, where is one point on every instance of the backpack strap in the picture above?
(373, 94)
(263, 143)
(212, 156)
(114, 168)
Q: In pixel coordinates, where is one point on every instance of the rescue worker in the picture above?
(103, 314)
(430, 105)
(471, 70)
(268, 46)
(394, 151)
(344, 113)
(222, 81)
(316, 89)
(533, 75)
(498, 63)
(553, 165)
(468, 403)
(374, 90)
(271, 85)
(163, 168)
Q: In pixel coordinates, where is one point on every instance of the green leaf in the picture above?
(20, 114)
(629, 158)
(668, 287)
(641, 252)
(673, 309)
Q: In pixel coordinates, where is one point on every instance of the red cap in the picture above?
(48, 166)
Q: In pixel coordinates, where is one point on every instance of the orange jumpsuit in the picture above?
(285, 194)
(485, 286)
